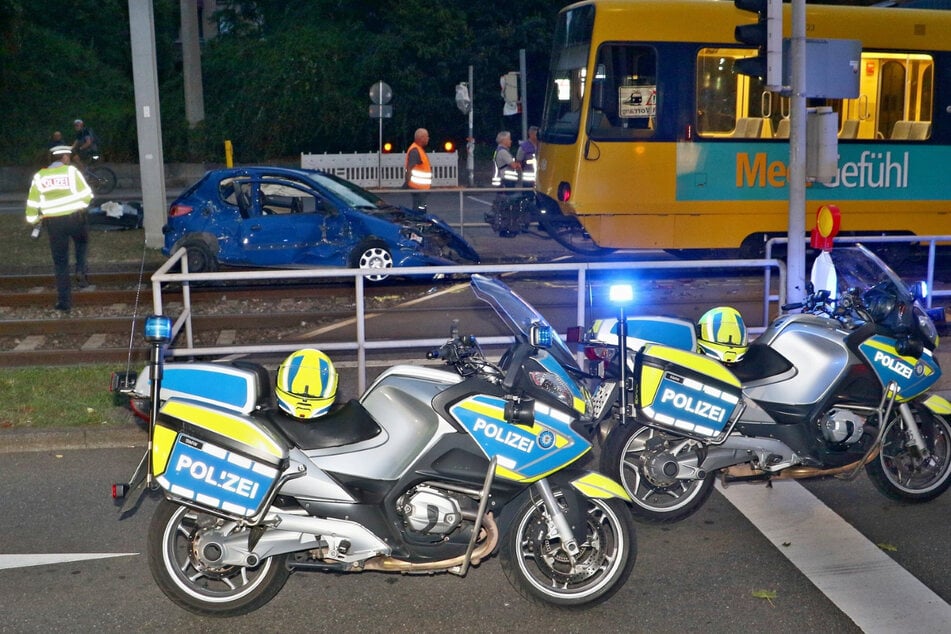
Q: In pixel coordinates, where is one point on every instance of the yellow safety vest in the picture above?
(57, 191)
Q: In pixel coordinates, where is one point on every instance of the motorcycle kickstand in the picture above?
(558, 517)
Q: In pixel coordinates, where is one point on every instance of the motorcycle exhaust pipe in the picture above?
(391, 564)
(800, 473)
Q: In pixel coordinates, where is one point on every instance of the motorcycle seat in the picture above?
(759, 362)
(347, 425)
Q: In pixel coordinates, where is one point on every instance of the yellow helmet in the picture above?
(721, 333)
(306, 384)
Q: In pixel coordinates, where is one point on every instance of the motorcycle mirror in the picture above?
(908, 347)
(520, 412)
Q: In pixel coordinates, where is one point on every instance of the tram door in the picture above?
(891, 97)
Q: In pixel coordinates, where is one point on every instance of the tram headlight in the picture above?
(564, 192)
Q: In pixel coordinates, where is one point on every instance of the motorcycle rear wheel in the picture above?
(540, 570)
(625, 457)
(900, 472)
(194, 585)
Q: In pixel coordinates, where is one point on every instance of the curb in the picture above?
(24, 440)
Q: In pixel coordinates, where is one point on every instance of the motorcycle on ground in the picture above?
(429, 471)
(512, 214)
(841, 386)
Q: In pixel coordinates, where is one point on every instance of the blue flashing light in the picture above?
(621, 293)
(542, 336)
(158, 329)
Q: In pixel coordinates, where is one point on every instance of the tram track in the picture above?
(101, 328)
(104, 324)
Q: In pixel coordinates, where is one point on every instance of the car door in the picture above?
(291, 224)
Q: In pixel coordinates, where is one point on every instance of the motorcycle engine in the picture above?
(428, 510)
(841, 426)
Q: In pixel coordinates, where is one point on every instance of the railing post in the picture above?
(361, 334)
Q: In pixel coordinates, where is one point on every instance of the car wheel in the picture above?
(372, 255)
(200, 257)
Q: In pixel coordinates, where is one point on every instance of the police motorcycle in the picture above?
(840, 386)
(431, 470)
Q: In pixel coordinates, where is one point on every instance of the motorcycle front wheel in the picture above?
(537, 566)
(901, 472)
(637, 456)
(176, 559)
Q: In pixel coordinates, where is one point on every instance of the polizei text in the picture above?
(693, 405)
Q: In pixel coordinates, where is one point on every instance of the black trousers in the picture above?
(62, 229)
(420, 197)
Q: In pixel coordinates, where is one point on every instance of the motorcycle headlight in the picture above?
(926, 327)
(552, 384)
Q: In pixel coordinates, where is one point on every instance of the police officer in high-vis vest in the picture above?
(58, 199)
(419, 173)
(506, 167)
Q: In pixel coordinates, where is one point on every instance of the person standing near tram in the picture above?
(506, 167)
(527, 157)
(419, 173)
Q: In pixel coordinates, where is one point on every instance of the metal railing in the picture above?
(183, 326)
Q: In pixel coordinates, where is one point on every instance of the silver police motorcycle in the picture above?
(841, 387)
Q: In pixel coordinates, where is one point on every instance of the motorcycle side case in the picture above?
(242, 388)
(687, 393)
(216, 459)
(669, 331)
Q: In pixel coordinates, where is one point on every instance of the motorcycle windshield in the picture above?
(519, 316)
(857, 267)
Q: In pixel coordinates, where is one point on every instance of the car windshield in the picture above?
(353, 195)
(857, 267)
(519, 315)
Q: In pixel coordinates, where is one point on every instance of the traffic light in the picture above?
(767, 36)
(449, 146)
(387, 147)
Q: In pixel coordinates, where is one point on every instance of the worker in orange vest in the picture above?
(419, 173)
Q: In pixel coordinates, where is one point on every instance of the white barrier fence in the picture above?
(382, 170)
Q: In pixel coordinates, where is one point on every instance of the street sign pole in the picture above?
(380, 95)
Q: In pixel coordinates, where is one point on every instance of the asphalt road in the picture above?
(703, 574)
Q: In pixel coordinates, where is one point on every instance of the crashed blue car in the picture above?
(290, 218)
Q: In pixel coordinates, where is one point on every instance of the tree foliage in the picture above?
(280, 78)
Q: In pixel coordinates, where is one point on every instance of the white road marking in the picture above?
(24, 561)
(860, 579)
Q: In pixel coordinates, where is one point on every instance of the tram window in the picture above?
(896, 97)
(895, 102)
(571, 46)
(730, 105)
(623, 102)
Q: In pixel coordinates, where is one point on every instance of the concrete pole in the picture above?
(148, 120)
(191, 63)
(470, 141)
(524, 96)
(796, 254)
